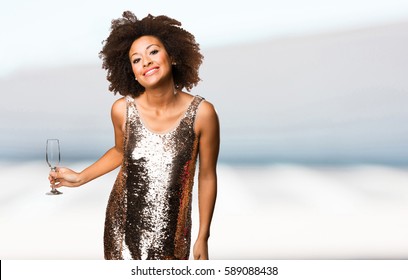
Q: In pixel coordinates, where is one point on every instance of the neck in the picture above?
(160, 97)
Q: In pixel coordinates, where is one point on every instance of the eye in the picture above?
(136, 60)
(154, 51)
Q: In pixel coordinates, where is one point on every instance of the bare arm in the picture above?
(109, 161)
(208, 126)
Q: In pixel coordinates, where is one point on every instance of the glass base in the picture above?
(53, 192)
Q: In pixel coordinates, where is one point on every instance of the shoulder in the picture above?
(206, 110)
(118, 111)
(206, 116)
(119, 105)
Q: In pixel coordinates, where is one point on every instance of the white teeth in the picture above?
(150, 72)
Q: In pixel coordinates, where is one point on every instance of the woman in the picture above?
(159, 132)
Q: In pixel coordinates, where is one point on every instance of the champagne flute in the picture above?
(53, 158)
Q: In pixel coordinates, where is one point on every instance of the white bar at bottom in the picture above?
(213, 269)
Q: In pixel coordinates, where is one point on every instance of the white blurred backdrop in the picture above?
(312, 100)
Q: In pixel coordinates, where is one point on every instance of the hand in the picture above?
(64, 177)
(200, 250)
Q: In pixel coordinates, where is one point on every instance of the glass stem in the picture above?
(53, 169)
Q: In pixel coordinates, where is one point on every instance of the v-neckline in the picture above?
(169, 130)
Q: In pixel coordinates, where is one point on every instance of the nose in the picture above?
(147, 62)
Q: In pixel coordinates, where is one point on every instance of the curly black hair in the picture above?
(179, 44)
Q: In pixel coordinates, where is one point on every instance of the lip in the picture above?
(150, 71)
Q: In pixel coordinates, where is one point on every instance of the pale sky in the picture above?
(49, 33)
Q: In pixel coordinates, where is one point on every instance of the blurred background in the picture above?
(312, 100)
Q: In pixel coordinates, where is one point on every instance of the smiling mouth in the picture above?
(151, 71)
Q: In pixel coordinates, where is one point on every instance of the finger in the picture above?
(56, 174)
(61, 183)
(53, 174)
(51, 179)
(64, 183)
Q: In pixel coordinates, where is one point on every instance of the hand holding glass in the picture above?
(53, 158)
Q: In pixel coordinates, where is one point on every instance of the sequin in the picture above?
(149, 209)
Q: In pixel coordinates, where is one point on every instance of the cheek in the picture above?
(136, 69)
(164, 59)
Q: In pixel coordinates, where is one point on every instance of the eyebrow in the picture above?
(146, 48)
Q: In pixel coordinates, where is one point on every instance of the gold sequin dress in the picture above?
(149, 209)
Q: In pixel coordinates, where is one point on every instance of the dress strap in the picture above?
(130, 112)
(191, 112)
(193, 108)
(129, 99)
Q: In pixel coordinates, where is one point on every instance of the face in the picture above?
(150, 62)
